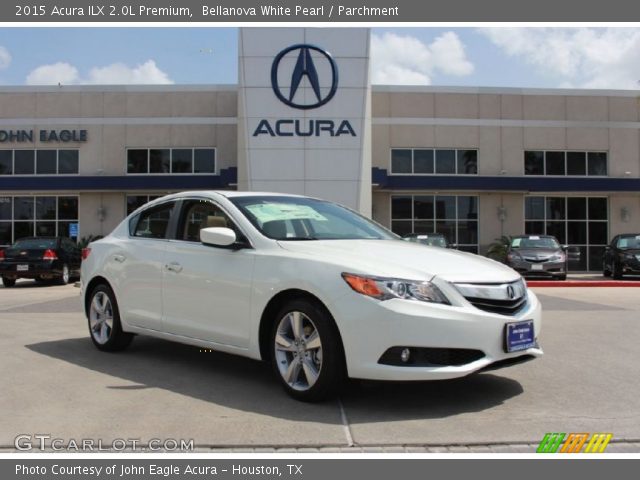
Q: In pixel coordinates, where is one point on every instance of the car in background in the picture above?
(317, 290)
(539, 256)
(430, 239)
(40, 258)
(622, 256)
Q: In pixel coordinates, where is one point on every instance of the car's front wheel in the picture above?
(306, 351)
(104, 321)
(8, 282)
(617, 271)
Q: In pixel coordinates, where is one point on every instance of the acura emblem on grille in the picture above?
(511, 293)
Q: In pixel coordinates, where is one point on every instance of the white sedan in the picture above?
(316, 289)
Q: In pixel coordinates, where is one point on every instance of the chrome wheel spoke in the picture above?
(293, 372)
(310, 371)
(312, 342)
(104, 333)
(283, 343)
(96, 304)
(295, 319)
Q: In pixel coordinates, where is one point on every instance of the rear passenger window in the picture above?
(153, 223)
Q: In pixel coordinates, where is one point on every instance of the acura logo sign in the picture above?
(305, 67)
(511, 292)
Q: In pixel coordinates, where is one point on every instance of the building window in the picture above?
(136, 201)
(582, 222)
(455, 216)
(39, 162)
(561, 163)
(171, 160)
(40, 216)
(427, 161)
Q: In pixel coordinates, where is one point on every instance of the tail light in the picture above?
(1, 255)
(49, 255)
(85, 253)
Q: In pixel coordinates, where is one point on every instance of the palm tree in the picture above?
(498, 249)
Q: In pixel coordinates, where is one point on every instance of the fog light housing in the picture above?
(405, 355)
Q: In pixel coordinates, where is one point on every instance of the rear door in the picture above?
(207, 290)
(137, 265)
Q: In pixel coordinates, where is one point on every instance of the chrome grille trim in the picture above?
(496, 298)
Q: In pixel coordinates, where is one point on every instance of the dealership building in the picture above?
(473, 163)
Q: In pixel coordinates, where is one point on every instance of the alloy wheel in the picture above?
(298, 351)
(101, 318)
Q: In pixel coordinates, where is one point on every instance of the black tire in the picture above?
(63, 279)
(562, 277)
(332, 372)
(605, 271)
(116, 339)
(617, 271)
(8, 282)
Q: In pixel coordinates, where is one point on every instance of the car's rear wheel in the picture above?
(605, 271)
(8, 282)
(306, 351)
(104, 321)
(63, 279)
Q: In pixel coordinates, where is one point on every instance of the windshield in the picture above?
(535, 242)
(300, 218)
(431, 240)
(35, 244)
(626, 243)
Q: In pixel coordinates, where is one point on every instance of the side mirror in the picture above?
(217, 236)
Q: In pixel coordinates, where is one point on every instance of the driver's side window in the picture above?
(199, 214)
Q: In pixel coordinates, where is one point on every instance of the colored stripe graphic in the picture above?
(598, 442)
(550, 443)
(574, 443)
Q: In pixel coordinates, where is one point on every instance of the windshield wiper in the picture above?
(296, 238)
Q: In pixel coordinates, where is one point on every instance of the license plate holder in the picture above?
(22, 268)
(519, 336)
(537, 267)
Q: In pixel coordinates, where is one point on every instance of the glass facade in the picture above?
(581, 222)
(427, 161)
(171, 160)
(40, 216)
(455, 216)
(39, 162)
(565, 163)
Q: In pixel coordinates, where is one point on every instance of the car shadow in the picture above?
(249, 385)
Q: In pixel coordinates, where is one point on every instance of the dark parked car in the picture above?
(540, 256)
(40, 258)
(622, 256)
(431, 239)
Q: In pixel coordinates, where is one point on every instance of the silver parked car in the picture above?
(539, 256)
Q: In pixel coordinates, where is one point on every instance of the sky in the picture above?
(576, 57)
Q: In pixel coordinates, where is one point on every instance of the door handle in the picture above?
(119, 258)
(173, 267)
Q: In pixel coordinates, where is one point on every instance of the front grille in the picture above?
(501, 298)
(536, 260)
(503, 307)
(431, 357)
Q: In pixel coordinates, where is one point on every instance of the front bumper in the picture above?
(369, 328)
(539, 269)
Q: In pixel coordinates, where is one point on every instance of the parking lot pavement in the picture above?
(55, 382)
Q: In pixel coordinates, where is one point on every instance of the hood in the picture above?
(632, 251)
(401, 259)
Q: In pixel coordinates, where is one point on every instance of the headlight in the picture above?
(629, 256)
(514, 257)
(388, 288)
(558, 257)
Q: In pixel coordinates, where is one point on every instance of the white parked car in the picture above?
(316, 289)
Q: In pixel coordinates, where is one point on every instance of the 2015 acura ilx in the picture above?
(316, 289)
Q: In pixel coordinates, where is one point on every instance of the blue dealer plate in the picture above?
(520, 336)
